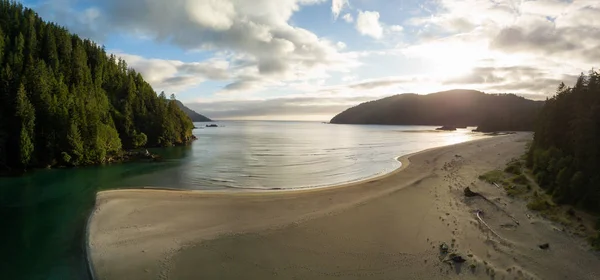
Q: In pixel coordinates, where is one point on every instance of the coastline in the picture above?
(149, 233)
(404, 161)
(88, 254)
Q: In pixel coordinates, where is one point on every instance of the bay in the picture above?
(43, 213)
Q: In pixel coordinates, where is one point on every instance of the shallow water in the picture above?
(268, 155)
(43, 214)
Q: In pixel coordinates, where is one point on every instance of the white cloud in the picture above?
(349, 78)
(316, 107)
(337, 6)
(487, 45)
(348, 18)
(521, 46)
(367, 23)
(214, 14)
(264, 47)
(175, 75)
(396, 28)
(550, 8)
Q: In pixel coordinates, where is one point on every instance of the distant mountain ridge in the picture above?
(192, 114)
(490, 112)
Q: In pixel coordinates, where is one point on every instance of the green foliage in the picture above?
(494, 176)
(139, 139)
(74, 144)
(513, 167)
(519, 179)
(65, 101)
(108, 139)
(538, 203)
(25, 114)
(565, 156)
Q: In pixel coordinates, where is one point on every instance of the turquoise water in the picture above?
(43, 214)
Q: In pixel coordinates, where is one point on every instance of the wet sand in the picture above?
(388, 227)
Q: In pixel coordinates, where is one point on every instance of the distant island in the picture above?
(195, 117)
(453, 108)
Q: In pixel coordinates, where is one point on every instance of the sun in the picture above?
(453, 60)
(450, 59)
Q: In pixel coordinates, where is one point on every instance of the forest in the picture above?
(565, 153)
(64, 101)
(456, 108)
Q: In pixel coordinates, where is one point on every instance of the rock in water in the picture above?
(544, 246)
(446, 128)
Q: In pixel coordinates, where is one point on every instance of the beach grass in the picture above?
(518, 182)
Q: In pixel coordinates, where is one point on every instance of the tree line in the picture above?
(65, 102)
(565, 153)
(456, 108)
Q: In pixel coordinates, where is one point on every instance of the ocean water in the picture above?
(43, 214)
(289, 155)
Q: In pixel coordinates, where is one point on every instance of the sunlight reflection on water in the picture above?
(267, 155)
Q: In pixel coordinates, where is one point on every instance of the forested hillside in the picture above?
(64, 101)
(490, 112)
(192, 114)
(565, 154)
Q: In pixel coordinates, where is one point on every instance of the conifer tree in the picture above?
(25, 114)
(65, 101)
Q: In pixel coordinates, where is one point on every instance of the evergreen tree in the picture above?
(65, 101)
(1, 46)
(25, 114)
(565, 156)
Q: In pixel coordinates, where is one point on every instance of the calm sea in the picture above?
(43, 214)
(268, 155)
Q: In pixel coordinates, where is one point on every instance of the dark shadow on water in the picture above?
(43, 215)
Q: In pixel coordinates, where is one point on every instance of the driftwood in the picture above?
(469, 193)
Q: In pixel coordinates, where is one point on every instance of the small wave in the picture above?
(250, 188)
(220, 180)
(267, 155)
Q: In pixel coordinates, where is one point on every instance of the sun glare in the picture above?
(449, 60)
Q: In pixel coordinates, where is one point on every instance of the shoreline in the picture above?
(88, 253)
(379, 228)
(404, 161)
(235, 191)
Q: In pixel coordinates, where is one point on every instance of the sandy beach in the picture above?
(384, 228)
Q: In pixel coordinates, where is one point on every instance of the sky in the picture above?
(311, 59)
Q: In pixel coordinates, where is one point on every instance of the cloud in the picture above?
(322, 108)
(257, 35)
(542, 39)
(550, 8)
(524, 80)
(348, 18)
(378, 83)
(396, 28)
(367, 23)
(175, 75)
(520, 46)
(86, 23)
(255, 50)
(337, 6)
